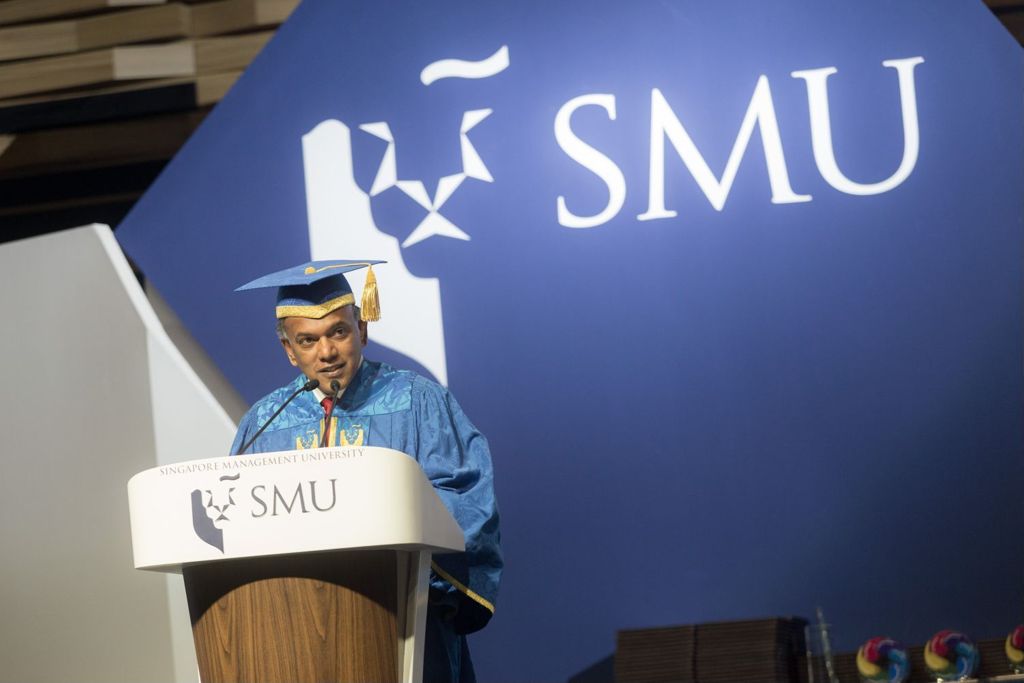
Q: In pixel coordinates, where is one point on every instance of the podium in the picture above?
(309, 565)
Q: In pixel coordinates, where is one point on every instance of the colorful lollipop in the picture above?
(883, 660)
(951, 655)
(1015, 649)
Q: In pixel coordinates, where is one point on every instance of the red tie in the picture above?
(328, 404)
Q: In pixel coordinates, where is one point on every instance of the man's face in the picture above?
(326, 349)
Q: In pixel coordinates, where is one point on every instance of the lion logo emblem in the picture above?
(210, 510)
(341, 221)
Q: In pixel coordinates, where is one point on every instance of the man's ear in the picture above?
(288, 351)
(363, 336)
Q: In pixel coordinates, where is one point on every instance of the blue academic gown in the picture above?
(401, 410)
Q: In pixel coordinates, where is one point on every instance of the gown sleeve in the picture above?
(457, 461)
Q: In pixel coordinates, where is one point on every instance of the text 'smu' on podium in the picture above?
(309, 565)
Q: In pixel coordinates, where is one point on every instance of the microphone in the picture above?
(308, 386)
(336, 389)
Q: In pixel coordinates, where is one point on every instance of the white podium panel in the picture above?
(283, 503)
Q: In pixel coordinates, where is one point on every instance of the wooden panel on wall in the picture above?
(160, 22)
(91, 88)
(97, 66)
(229, 16)
(126, 101)
(104, 144)
(15, 11)
(185, 58)
(228, 53)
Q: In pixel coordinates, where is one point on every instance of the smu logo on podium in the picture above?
(210, 507)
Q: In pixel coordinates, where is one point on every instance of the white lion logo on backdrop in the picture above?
(341, 221)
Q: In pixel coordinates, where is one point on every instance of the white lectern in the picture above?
(307, 565)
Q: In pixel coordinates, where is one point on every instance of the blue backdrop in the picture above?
(717, 414)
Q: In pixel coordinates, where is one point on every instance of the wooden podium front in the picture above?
(298, 566)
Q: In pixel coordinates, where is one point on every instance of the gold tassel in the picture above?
(370, 305)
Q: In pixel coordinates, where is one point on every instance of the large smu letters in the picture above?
(760, 113)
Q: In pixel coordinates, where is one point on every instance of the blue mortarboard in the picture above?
(314, 289)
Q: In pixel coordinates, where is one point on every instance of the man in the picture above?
(323, 335)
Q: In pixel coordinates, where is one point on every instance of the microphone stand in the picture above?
(337, 389)
(308, 386)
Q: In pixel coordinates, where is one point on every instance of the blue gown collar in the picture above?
(357, 393)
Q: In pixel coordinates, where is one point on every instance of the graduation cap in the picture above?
(314, 289)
